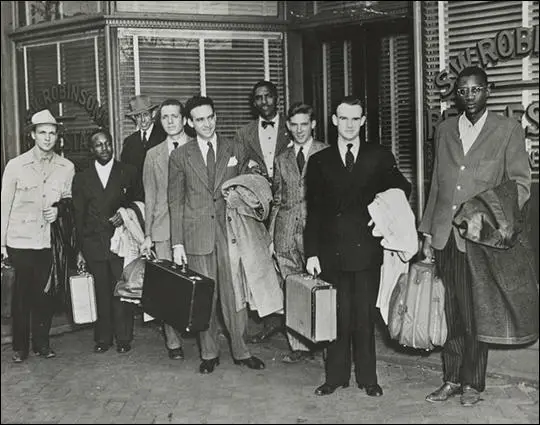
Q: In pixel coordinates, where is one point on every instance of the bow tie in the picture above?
(267, 123)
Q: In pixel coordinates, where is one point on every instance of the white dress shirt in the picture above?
(203, 146)
(342, 146)
(306, 146)
(268, 139)
(181, 141)
(468, 132)
(104, 171)
(148, 132)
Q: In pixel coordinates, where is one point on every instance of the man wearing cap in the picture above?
(149, 134)
(31, 184)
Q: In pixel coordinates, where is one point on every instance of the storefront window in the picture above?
(253, 8)
(34, 12)
(181, 64)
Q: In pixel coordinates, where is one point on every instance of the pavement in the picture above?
(145, 386)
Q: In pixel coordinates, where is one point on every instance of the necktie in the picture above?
(211, 164)
(144, 139)
(267, 123)
(349, 158)
(175, 144)
(300, 159)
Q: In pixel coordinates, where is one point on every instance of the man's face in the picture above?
(472, 95)
(265, 102)
(203, 121)
(348, 119)
(45, 136)
(144, 120)
(301, 126)
(101, 148)
(171, 120)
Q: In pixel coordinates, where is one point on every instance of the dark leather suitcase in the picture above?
(177, 295)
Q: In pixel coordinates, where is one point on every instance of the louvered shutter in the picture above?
(126, 76)
(471, 21)
(277, 70)
(396, 111)
(335, 80)
(232, 67)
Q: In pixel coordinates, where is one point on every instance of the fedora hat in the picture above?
(43, 117)
(140, 103)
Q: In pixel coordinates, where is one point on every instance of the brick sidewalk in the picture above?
(145, 386)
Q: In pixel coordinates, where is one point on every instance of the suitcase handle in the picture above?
(183, 267)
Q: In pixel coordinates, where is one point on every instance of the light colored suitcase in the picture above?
(83, 298)
(310, 307)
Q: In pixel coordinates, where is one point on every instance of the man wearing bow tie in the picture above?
(263, 139)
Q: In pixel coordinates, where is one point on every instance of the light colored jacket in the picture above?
(26, 192)
(288, 216)
(497, 154)
(255, 278)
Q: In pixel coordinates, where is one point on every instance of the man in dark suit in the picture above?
(197, 171)
(98, 193)
(342, 181)
(149, 134)
(263, 139)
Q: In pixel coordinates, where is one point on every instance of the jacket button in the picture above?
(211, 216)
(229, 218)
(233, 241)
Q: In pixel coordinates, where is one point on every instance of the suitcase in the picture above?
(177, 295)
(416, 313)
(310, 307)
(83, 298)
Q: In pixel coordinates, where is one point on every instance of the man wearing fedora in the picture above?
(149, 134)
(31, 184)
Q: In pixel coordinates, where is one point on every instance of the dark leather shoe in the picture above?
(251, 362)
(444, 392)
(176, 353)
(373, 390)
(208, 366)
(326, 389)
(46, 353)
(123, 348)
(470, 396)
(19, 357)
(101, 348)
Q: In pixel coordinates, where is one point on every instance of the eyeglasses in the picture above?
(464, 91)
(143, 115)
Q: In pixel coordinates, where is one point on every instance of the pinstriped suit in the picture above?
(288, 216)
(198, 222)
(157, 220)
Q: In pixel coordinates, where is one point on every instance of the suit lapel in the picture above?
(196, 161)
(282, 140)
(223, 156)
(253, 137)
(484, 134)
(162, 159)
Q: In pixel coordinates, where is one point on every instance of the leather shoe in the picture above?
(251, 362)
(444, 392)
(208, 366)
(326, 389)
(46, 353)
(123, 348)
(19, 357)
(470, 396)
(176, 353)
(101, 348)
(263, 335)
(372, 390)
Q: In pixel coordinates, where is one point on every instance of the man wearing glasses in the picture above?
(148, 134)
(474, 152)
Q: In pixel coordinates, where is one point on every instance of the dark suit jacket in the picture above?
(248, 137)
(337, 229)
(134, 153)
(95, 205)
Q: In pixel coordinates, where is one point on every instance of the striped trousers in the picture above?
(464, 357)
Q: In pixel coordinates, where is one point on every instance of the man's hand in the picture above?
(146, 247)
(81, 262)
(4, 253)
(50, 214)
(313, 266)
(179, 255)
(427, 250)
(116, 220)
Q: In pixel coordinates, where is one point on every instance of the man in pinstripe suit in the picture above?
(197, 171)
(288, 216)
(475, 151)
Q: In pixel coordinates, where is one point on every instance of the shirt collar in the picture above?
(306, 146)
(275, 120)
(181, 141)
(355, 144)
(479, 124)
(203, 142)
(148, 131)
(38, 156)
(107, 166)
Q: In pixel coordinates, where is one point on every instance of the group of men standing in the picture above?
(318, 221)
